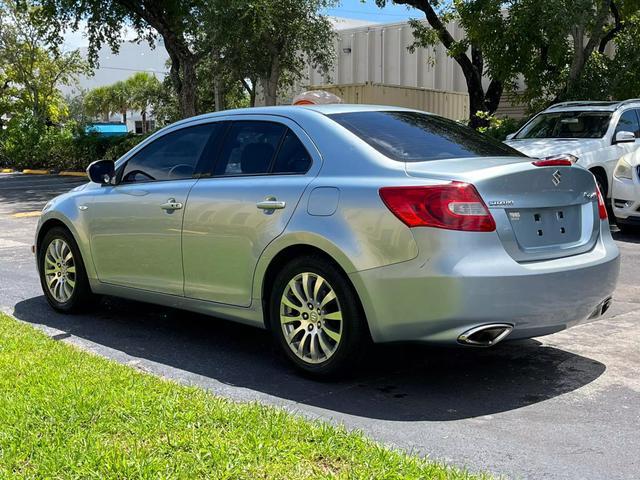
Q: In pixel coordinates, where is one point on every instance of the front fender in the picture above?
(66, 211)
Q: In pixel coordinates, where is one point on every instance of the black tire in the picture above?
(354, 332)
(628, 229)
(603, 182)
(81, 296)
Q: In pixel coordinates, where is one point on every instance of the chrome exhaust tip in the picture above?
(486, 335)
(606, 305)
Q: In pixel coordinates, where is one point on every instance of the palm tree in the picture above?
(121, 98)
(143, 88)
(98, 102)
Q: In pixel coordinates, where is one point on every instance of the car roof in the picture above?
(298, 111)
(594, 106)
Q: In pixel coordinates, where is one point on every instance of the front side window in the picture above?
(628, 123)
(419, 137)
(578, 124)
(249, 148)
(173, 156)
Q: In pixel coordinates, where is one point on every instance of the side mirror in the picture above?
(624, 137)
(102, 172)
(510, 136)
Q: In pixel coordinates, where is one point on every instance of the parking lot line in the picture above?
(26, 214)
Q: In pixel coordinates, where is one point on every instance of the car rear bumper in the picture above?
(462, 280)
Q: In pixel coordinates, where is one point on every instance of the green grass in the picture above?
(65, 413)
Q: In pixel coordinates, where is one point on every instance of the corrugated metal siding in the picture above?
(379, 54)
(453, 105)
(511, 106)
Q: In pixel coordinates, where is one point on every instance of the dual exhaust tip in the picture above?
(492, 334)
(486, 335)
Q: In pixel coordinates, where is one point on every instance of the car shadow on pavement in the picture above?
(626, 237)
(401, 383)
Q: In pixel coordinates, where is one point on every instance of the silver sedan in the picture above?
(334, 226)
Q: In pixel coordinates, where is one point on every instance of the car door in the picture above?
(136, 225)
(264, 166)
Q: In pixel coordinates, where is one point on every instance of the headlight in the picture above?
(623, 170)
(564, 156)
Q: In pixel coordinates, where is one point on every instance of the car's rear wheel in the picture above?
(62, 273)
(316, 317)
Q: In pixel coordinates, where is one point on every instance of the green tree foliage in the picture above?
(99, 102)
(268, 42)
(559, 49)
(32, 67)
(176, 21)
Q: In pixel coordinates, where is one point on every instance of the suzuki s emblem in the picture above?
(556, 178)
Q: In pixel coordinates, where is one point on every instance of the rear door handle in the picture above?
(271, 205)
(171, 205)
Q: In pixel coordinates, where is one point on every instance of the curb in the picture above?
(31, 171)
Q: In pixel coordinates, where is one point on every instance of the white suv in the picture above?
(626, 192)
(592, 134)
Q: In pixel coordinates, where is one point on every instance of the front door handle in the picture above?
(271, 204)
(171, 205)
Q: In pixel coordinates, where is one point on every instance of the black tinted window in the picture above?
(629, 123)
(171, 157)
(249, 148)
(292, 156)
(417, 137)
(574, 124)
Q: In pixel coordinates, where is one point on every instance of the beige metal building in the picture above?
(374, 65)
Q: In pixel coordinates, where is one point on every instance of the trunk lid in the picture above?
(541, 213)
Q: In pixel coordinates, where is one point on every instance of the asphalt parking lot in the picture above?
(559, 407)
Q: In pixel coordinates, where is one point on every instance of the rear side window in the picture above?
(419, 137)
(173, 156)
(249, 148)
(292, 156)
(629, 123)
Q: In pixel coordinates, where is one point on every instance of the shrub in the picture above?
(29, 143)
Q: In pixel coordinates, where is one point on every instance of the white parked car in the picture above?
(592, 134)
(626, 192)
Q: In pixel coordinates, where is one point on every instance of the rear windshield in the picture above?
(567, 125)
(418, 137)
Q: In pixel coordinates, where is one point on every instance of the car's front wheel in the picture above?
(316, 317)
(62, 274)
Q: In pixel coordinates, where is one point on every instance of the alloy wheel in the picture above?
(60, 270)
(311, 318)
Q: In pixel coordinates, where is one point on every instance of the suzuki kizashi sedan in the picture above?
(334, 226)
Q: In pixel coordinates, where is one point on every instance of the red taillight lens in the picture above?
(602, 207)
(553, 162)
(454, 206)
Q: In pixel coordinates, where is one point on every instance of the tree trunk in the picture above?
(124, 116)
(188, 92)
(251, 90)
(183, 61)
(270, 84)
(218, 94)
(144, 121)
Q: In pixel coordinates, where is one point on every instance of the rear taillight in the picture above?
(553, 162)
(564, 160)
(602, 207)
(454, 206)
